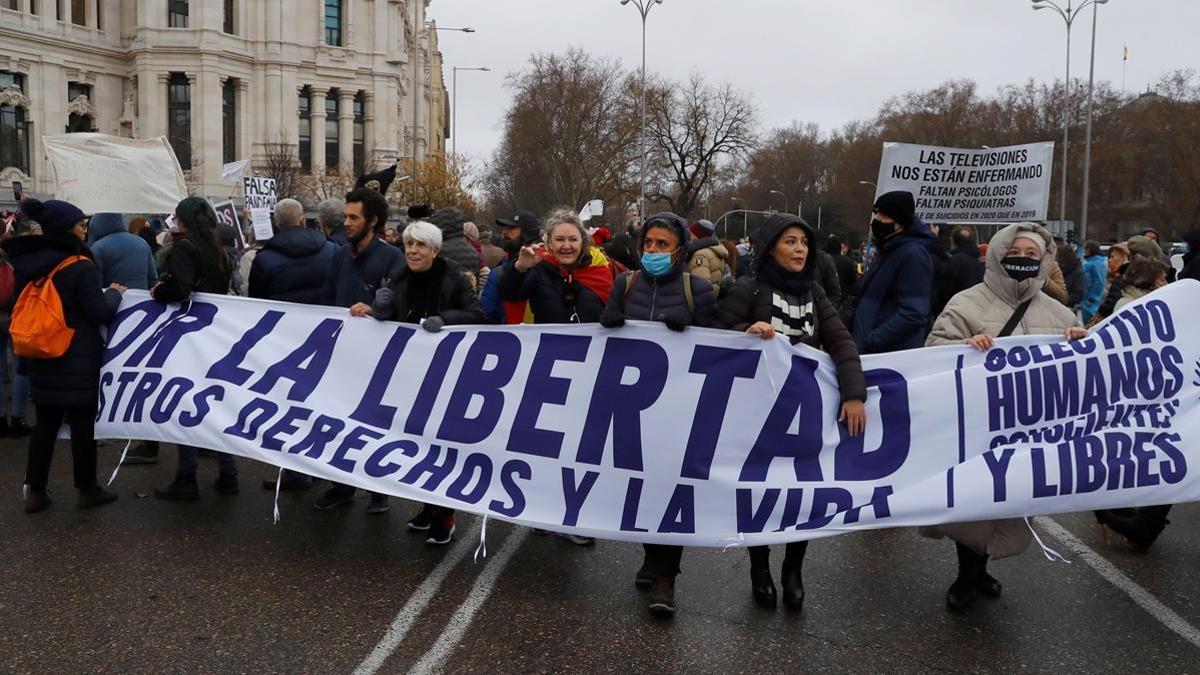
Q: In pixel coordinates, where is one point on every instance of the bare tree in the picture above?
(282, 163)
(696, 128)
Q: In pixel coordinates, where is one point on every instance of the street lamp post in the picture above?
(1087, 135)
(1068, 15)
(643, 7)
(785, 200)
(416, 96)
(454, 105)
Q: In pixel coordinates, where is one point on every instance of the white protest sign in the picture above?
(993, 185)
(101, 173)
(699, 438)
(260, 200)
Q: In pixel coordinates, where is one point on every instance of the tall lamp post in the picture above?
(454, 105)
(643, 7)
(1068, 15)
(416, 79)
(785, 200)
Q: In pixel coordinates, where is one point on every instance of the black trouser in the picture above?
(662, 559)
(82, 420)
(760, 556)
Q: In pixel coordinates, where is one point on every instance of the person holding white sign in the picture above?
(1010, 301)
(783, 299)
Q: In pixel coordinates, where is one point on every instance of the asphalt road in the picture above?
(149, 586)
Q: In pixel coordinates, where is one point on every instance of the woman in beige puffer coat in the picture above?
(1019, 260)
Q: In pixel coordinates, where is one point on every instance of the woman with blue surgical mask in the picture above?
(661, 291)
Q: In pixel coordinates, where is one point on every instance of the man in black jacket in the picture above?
(359, 269)
(292, 267)
(961, 271)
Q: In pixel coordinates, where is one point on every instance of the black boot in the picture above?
(662, 596)
(763, 587)
(962, 592)
(1140, 527)
(18, 428)
(986, 584)
(792, 582)
(182, 489)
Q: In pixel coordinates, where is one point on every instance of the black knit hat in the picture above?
(54, 215)
(899, 206)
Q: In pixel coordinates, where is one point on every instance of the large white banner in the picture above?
(988, 185)
(703, 438)
(101, 173)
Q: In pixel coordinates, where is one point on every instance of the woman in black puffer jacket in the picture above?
(566, 281)
(64, 389)
(783, 299)
(661, 291)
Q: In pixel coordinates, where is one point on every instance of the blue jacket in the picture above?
(356, 276)
(493, 304)
(1095, 277)
(293, 266)
(893, 297)
(121, 257)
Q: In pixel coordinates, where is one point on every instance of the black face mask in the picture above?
(881, 232)
(1021, 268)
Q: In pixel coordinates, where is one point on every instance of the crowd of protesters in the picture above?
(919, 285)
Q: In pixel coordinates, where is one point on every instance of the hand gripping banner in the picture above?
(700, 438)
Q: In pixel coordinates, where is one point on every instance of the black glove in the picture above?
(612, 318)
(433, 324)
(674, 322)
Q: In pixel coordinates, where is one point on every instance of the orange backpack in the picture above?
(39, 330)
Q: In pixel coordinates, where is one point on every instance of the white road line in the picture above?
(435, 660)
(1143, 598)
(417, 602)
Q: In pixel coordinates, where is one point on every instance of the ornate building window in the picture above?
(179, 118)
(82, 112)
(334, 15)
(332, 138)
(230, 13)
(229, 120)
(177, 13)
(360, 133)
(14, 122)
(306, 129)
(79, 12)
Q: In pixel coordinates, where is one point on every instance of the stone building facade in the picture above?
(353, 84)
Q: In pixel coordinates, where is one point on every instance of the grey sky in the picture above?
(827, 62)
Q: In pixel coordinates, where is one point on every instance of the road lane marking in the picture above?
(1143, 598)
(417, 602)
(435, 660)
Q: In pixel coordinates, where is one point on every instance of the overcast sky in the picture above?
(827, 61)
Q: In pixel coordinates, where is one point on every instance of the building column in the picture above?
(89, 14)
(346, 129)
(245, 136)
(317, 113)
(196, 113)
(207, 115)
(157, 112)
(368, 131)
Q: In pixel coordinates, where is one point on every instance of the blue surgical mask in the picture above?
(656, 264)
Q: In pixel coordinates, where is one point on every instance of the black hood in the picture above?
(701, 244)
(770, 231)
(33, 256)
(296, 242)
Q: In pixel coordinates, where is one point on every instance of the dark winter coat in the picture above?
(847, 273)
(192, 268)
(121, 257)
(356, 276)
(337, 236)
(892, 311)
(1191, 259)
(750, 300)
(826, 274)
(551, 297)
(293, 266)
(72, 379)
(663, 298)
(960, 270)
(455, 246)
(456, 302)
(1076, 284)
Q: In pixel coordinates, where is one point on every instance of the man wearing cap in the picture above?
(523, 229)
(892, 312)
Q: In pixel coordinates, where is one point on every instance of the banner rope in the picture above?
(733, 542)
(119, 462)
(278, 484)
(1051, 554)
(482, 539)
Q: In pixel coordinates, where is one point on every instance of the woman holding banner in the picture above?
(433, 292)
(783, 300)
(661, 291)
(1010, 301)
(196, 263)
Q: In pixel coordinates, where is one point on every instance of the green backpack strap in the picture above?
(687, 293)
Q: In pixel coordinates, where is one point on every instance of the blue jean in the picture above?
(226, 463)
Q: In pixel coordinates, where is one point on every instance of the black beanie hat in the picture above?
(899, 206)
(55, 216)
